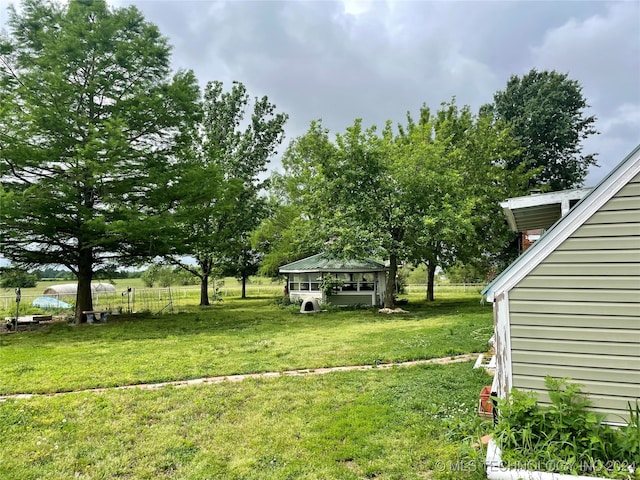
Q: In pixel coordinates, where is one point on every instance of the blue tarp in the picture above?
(49, 302)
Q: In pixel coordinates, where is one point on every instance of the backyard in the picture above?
(403, 422)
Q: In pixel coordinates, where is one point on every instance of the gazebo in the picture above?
(345, 282)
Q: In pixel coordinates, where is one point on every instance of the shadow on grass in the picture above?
(258, 314)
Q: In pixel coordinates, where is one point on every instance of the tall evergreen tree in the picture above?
(89, 122)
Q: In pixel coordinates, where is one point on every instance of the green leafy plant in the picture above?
(330, 285)
(630, 439)
(566, 437)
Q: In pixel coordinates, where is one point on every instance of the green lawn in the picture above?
(141, 298)
(402, 423)
(238, 336)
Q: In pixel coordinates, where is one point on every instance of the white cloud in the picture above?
(356, 7)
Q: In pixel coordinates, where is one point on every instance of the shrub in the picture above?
(566, 436)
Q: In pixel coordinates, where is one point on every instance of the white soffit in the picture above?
(540, 210)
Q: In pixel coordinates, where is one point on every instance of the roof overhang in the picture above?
(322, 263)
(332, 270)
(540, 210)
(560, 231)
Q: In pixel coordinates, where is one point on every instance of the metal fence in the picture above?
(446, 287)
(154, 300)
(157, 300)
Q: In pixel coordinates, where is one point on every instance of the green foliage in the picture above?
(283, 237)
(112, 272)
(330, 285)
(427, 192)
(415, 275)
(463, 184)
(629, 440)
(90, 121)
(466, 273)
(402, 280)
(53, 273)
(166, 276)
(546, 111)
(16, 277)
(566, 435)
(219, 190)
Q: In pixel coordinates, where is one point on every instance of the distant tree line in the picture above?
(110, 161)
(12, 277)
(167, 276)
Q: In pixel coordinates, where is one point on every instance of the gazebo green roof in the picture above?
(325, 263)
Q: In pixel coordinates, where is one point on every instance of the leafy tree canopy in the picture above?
(89, 122)
(427, 192)
(17, 278)
(220, 184)
(546, 111)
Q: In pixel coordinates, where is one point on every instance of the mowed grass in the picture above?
(237, 336)
(403, 423)
(142, 298)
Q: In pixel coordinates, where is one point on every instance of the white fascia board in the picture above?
(560, 231)
(299, 271)
(538, 199)
(502, 331)
(334, 270)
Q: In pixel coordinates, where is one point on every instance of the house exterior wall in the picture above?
(299, 296)
(375, 296)
(577, 314)
(344, 299)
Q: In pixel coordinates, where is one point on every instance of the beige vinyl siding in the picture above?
(577, 314)
(578, 321)
(343, 299)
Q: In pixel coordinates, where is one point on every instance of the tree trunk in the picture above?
(431, 276)
(84, 301)
(244, 286)
(391, 282)
(204, 290)
(206, 266)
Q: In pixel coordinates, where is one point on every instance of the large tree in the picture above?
(427, 192)
(89, 122)
(292, 230)
(356, 193)
(284, 236)
(224, 169)
(547, 113)
(465, 178)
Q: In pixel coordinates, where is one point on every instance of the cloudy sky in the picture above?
(376, 60)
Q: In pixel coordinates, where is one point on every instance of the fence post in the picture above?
(18, 296)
